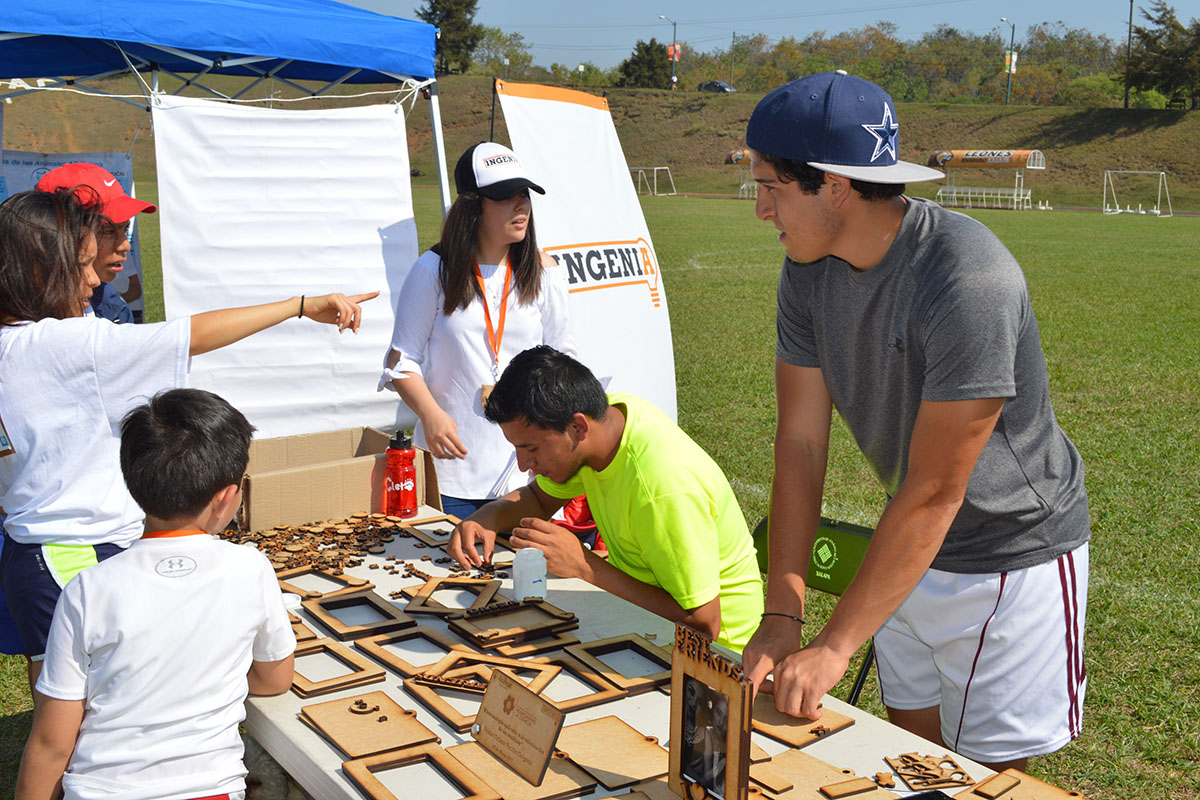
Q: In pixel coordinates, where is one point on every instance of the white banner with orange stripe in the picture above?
(591, 223)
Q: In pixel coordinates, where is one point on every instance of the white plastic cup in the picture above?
(529, 573)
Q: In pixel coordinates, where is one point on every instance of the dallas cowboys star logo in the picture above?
(885, 134)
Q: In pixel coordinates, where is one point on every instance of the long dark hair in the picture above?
(41, 236)
(460, 235)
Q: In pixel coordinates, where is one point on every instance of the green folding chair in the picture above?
(837, 553)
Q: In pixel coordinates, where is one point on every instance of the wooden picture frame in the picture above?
(535, 646)
(412, 528)
(484, 590)
(349, 583)
(572, 666)
(710, 721)
(614, 752)
(456, 660)
(376, 648)
(589, 653)
(361, 772)
(391, 618)
(362, 670)
(511, 623)
(430, 697)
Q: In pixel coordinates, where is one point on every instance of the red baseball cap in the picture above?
(114, 203)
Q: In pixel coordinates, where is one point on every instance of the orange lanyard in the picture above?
(172, 534)
(495, 334)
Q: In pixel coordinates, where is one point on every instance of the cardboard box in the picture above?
(292, 480)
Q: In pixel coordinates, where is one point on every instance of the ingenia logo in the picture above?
(608, 265)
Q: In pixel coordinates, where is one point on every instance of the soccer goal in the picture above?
(1136, 188)
(647, 180)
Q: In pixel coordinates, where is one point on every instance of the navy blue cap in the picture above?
(837, 123)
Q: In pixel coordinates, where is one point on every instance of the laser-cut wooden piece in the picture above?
(377, 647)
(808, 773)
(996, 785)
(885, 779)
(367, 724)
(361, 772)
(348, 583)
(420, 529)
(433, 697)
(457, 659)
(362, 671)
(303, 632)
(1029, 788)
(391, 618)
(929, 772)
(613, 752)
(562, 779)
(590, 652)
(795, 731)
(834, 791)
(423, 602)
(710, 721)
(757, 754)
(769, 779)
(511, 623)
(536, 646)
(517, 726)
(604, 690)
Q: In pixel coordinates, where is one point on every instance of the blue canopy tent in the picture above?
(73, 42)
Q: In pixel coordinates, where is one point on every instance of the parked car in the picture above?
(720, 87)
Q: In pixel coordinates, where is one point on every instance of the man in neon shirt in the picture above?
(677, 540)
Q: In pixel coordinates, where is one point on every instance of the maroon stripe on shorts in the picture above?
(975, 662)
(1066, 578)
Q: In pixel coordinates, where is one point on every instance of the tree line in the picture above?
(1057, 64)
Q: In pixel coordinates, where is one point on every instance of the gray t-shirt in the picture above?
(944, 316)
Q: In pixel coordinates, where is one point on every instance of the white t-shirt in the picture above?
(157, 641)
(65, 384)
(452, 354)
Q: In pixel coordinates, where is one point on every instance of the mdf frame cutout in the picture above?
(346, 583)
(590, 652)
(377, 648)
(361, 672)
(362, 771)
(391, 618)
(422, 602)
(710, 722)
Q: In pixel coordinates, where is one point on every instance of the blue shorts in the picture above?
(33, 576)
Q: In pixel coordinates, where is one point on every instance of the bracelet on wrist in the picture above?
(301, 314)
(781, 614)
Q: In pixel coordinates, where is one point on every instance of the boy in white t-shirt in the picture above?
(152, 652)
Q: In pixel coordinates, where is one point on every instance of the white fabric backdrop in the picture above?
(261, 204)
(591, 221)
(20, 171)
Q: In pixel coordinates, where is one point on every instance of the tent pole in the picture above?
(439, 146)
(492, 125)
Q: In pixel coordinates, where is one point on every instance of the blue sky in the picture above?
(605, 32)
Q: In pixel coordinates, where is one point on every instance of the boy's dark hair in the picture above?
(547, 388)
(180, 449)
(811, 179)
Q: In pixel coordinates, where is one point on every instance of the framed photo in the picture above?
(710, 721)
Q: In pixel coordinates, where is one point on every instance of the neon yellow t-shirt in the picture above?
(670, 519)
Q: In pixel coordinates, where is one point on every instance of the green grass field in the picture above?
(1120, 323)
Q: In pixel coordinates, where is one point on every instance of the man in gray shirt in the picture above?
(916, 324)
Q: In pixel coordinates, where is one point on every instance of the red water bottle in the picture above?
(400, 485)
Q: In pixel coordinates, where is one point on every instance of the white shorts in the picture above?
(1001, 654)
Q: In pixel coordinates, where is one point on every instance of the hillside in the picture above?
(691, 132)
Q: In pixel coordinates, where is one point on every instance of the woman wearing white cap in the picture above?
(470, 303)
